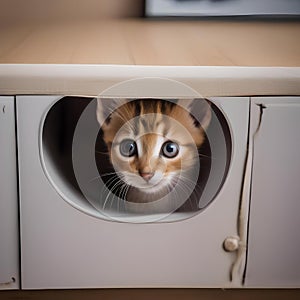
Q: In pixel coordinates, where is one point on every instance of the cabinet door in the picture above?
(274, 233)
(63, 247)
(9, 243)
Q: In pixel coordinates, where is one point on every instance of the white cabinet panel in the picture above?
(63, 247)
(9, 242)
(274, 233)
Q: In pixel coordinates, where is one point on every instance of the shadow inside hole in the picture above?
(57, 137)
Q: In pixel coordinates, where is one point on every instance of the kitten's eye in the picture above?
(128, 148)
(170, 149)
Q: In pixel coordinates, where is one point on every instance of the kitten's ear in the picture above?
(106, 106)
(200, 109)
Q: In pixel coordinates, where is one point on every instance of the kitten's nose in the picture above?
(146, 175)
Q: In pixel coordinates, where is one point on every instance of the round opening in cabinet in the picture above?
(136, 159)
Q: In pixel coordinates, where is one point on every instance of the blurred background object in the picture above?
(210, 8)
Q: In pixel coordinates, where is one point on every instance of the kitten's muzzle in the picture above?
(146, 175)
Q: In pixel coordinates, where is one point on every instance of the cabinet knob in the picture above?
(231, 243)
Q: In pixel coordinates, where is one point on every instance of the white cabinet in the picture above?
(9, 232)
(63, 247)
(274, 228)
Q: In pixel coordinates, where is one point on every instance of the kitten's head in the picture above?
(151, 142)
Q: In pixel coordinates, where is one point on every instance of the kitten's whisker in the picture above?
(186, 181)
(187, 191)
(107, 174)
(210, 157)
(108, 190)
(105, 153)
(120, 197)
(111, 180)
(111, 173)
(124, 191)
(118, 183)
(183, 177)
(112, 192)
(102, 175)
(185, 188)
(122, 186)
(95, 178)
(196, 192)
(204, 155)
(172, 189)
(113, 197)
(106, 199)
(177, 196)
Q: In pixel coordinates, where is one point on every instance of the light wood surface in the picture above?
(151, 294)
(151, 42)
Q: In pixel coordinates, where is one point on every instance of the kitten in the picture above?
(153, 145)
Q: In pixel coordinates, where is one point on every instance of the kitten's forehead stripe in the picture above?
(145, 124)
(163, 107)
(137, 106)
(148, 141)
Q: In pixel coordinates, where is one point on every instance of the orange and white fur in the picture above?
(152, 143)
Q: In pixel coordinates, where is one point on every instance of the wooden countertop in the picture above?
(151, 42)
(224, 58)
